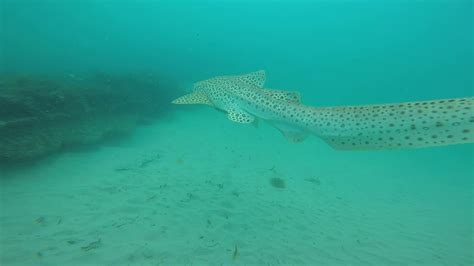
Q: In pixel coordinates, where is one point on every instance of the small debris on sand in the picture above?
(40, 220)
(314, 180)
(92, 245)
(277, 182)
(236, 253)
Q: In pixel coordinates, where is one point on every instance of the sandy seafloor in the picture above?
(192, 188)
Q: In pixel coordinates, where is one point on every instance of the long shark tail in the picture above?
(398, 126)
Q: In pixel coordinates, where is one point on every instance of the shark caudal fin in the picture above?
(398, 126)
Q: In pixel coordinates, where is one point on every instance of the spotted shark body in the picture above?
(366, 127)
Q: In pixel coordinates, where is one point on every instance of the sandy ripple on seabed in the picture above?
(136, 217)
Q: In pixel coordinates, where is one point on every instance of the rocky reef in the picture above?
(41, 115)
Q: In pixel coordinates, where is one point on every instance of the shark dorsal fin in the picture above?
(193, 98)
(286, 96)
(256, 78)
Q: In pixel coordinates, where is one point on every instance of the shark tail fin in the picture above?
(193, 98)
(399, 126)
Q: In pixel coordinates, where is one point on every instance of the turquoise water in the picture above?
(192, 188)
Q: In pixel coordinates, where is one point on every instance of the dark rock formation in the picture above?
(39, 116)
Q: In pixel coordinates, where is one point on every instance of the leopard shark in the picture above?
(403, 125)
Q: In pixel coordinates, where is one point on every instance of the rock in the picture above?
(39, 116)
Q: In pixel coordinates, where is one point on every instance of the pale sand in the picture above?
(190, 189)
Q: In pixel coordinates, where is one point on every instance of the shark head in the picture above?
(217, 91)
(242, 97)
(227, 94)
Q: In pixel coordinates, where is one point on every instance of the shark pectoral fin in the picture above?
(256, 122)
(295, 136)
(345, 143)
(239, 116)
(193, 98)
(291, 133)
(286, 96)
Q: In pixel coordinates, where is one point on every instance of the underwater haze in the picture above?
(97, 167)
